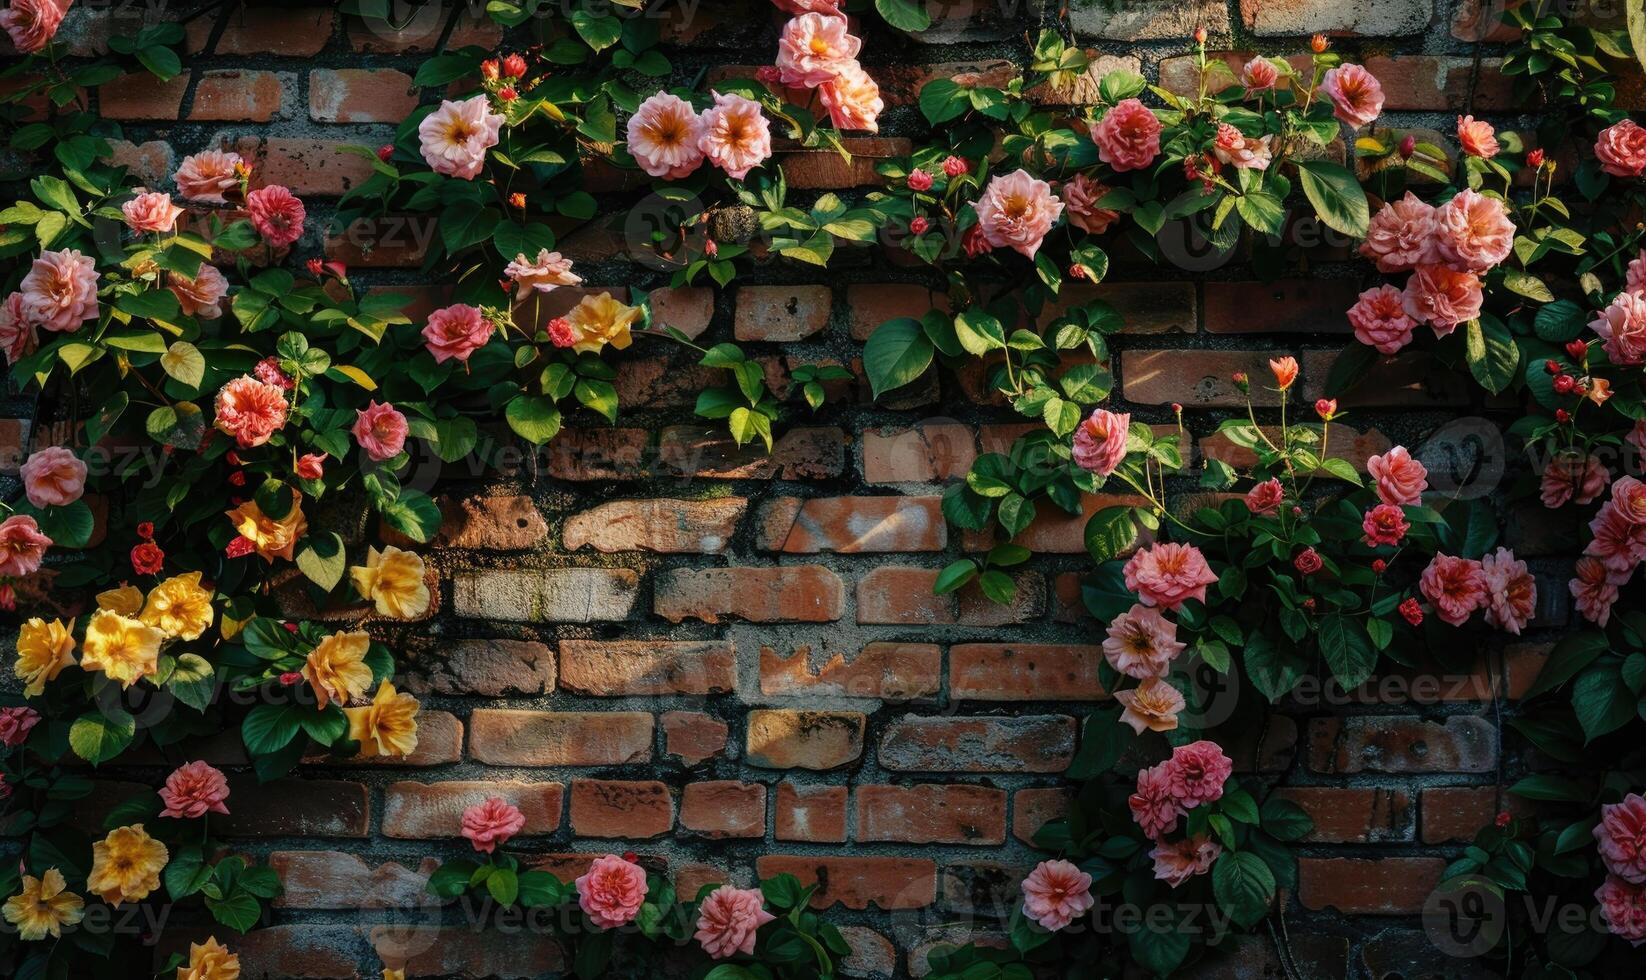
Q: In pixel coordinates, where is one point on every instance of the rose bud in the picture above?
(954, 166)
(507, 93)
(1578, 349)
(1200, 34)
(1562, 416)
(1534, 159)
(1318, 44)
(489, 69)
(1076, 272)
(1326, 408)
(385, 151)
(920, 180)
(1551, 367)
(514, 66)
(1564, 383)
(1408, 146)
(919, 225)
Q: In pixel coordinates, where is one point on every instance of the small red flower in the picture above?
(8, 598)
(1412, 612)
(289, 627)
(1177, 408)
(145, 530)
(1318, 44)
(237, 478)
(1565, 384)
(920, 180)
(710, 248)
(1240, 380)
(240, 547)
(1534, 159)
(630, 856)
(385, 151)
(1503, 819)
(489, 69)
(316, 268)
(1077, 272)
(1308, 561)
(147, 558)
(1326, 408)
(290, 678)
(1551, 367)
(954, 166)
(507, 93)
(514, 66)
(1408, 146)
(1562, 416)
(1578, 349)
(517, 200)
(1309, 604)
(560, 332)
(1379, 566)
(919, 225)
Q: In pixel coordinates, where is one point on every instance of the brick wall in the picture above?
(732, 663)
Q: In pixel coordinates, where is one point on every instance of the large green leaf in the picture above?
(1347, 650)
(905, 15)
(98, 736)
(1244, 886)
(897, 353)
(1336, 196)
(1492, 354)
(1602, 702)
(1109, 532)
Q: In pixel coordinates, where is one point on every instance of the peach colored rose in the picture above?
(1477, 137)
(814, 48)
(1400, 478)
(736, 137)
(1511, 592)
(853, 100)
(1472, 232)
(1196, 773)
(611, 892)
(22, 546)
(380, 430)
(1234, 149)
(208, 176)
(1442, 297)
(1380, 321)
(1617, 541)
(490, 824)
(1401, 235)
(1357, 98)
(456, 332)
(1265, 498)
(250, 410)
(151, 212)
(193, 790)
(1572, 475)
(728, 919)
(1141, 643)
(454, 138)
(1154, 807)
(32, 23)
(277, 215)
(1080, 195)
(1285, 371)
(1056, 893)
(53, 477)
(1594, 589)
(1168, 575)
(1100, 441)
(1621, 149)
(17, 336)
(1455, 586)
(1151, 706)
(1016, 211)
(60, 291)
(1259, 75)
(1623, 909)
(1128, 136)
(201, 296)
(1622, 326)
(1176, 863)
(663, 136)
(545, 274)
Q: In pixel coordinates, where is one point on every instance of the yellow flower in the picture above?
(124, 649)
(125, 865)
(179, 607)
(389, 973)
(43, 650)
(271, 538)
(393, 579)
(601, 320)
(126, 600)
(336, 668)
(43, 906)
(387, 726)
(210, 960)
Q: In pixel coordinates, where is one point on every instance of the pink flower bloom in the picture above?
(1573, 475)
(193, 790)
(277, 215)
(60, 290)
(456, 332)
(1016, 211)
(1150, 706)
(1056, 893)
(1623, 909)
(151, 212)
(546, 273)
(1472, 232)
(1621, 149)
(53, 477)
(1234, 149)
(1621, 836)
(250, 410)
(1476, 137)
(853, 99)
(17, 336)
(1629, 497)
(1176, 863)
(1128, 136)
(1594, 590)
(1100, 441)
(1259, 75)
(1400, 478)
(814, 48)
(560, 331)
(1141, 642)
(268, 371)
(490, 824)
(1168, 575)
(1455, 586)
(736, 137)
(311, 466)
(454, 138)
(798, 7)
(728, 920)
(611, 891)
(1357, 98)
(1617, 541)
(1384, 524)
(1622, 326)
(201, 296)
(1080, 195)
(208, 175)
(32, 23)
(1634, 276)
(1380, 320)
(1154, 809)
(1511, 592)
(1401, 235)
(1265, 498)
(1442, 297)
(15, 724)
(663, 135)
(22, 545)
(380, 430)
(1196, 773)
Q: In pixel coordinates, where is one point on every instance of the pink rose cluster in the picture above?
(817, 51)
(1620, 837)
(1499, 583)
(456, 332)
(22, 546)
(669, 139)
(1617, 545)
(1168, 574)
(1194, 775)
(53, 477)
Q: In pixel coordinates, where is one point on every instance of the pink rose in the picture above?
(1401, 235)
(1442, 297)
(1622, 326)
(1621, 149)
(380, 430)
(201, 296)
(736, 137)
(1477, 137)
(1629, 497)
(456, 332)
(1128, 136)
(15, 724)
(250, 410)
(1100, 441)
(1080, 195)
(1380, 320)
(454, 138)
(32, 23)
(151, 212)
(1141, 643)
(490, 824)
(1196, 773)
(546, 273)
(1150, 706)
(1259, 75)
(208, 175)
(1621, 836)
(1572, 475)
(1056, 893)
(663, 135)
(853, 99)
(268, 371)
(1168, 575)
(17, 337)
(311, 466)
(1634, 276)
(1594, 589)
(1154, 808)
(60, 291)
(1455, 586)
(1623, 908)
(53, 477)
(1384, 524)
(814, 48)
(1511, 592)
(611, 891)
(728, 920)
(1016, 211)
(194, 790)
(22, 546)
(277, 215)
(1617, 541)
(1357, 98)
(1472, 232)
(1234, 149)
(1400, 478)
(1176, 863)
(1265, 498)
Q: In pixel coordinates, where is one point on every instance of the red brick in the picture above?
(613, 668)
(1425, 82)
(662, 525)
(142, 96)
(931, 814)
(306, 166)
(1344, 815)
(693, 737)
(892, 594)
(893, 671)
(1023, 743)
(870, 305)
(599, 454)
(1384, 886)
(924, 453)
(435, 810)
(855, 882)
(619, 808)
(295, 32)
(1024, 672)
(505, 523)
(1034, 808)
(236, 96)
(723, 808)
(781, 313)
(799, 454)
(335, 880)
(791, 594)
(1195, 379)
(687, 309)
(295, 808)
(780, 739)
(1143, 307)
(423, 950)
(816, 814)
(1289, 306)
(1402, 743)
(492, 668)
(1454, 814)
(1386, 18)
(360, 95)
(296, 952)
(851, 525)
(504, 737)
(826, 170)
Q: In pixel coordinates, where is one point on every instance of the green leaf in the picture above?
(414, 514)
(1602, 702)
(1244, 886)
(269, 728)
(1336, 196)
(184, 362)
(193, 681)
(1570, 655)
(1285, 820)
(98, 736)
(1110, 532)
(1560, 321)
(1492, 354)
(598, 31)
(323, 559)
(979, 332)
(239, 911)
(186, 872)
(955, 575)
(533, 418)
(905, 15)
(896, 354)
(1274, 670)
(1347, 650)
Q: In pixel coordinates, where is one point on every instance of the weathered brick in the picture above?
(613, 668)
(504, 737)
(550, 595)
(293, 32)
(723, 808)
(435, 810)
(1452, 814)
(236, 96)
(790, 594)
(851, 525)
(930, 451)
(1289, 306)
(779, 739)
(781, 313)
(492, 668)
(856, 882)
(1382, 886)
(445, 951)
(360, 95)
(296, 808)
(687, 309)
(872, 956)
(295, 952)
(1025, 672)
(1353, 815)
(621, 808)
(1287, 18)
(693, 737)
(826, 170)
(1402, 743)
(663, 525)
(306, 166)
(336, 880)
(869, 305)
(1147, 20)
(507, 523)
(893, 594)
(798, 454)
(931, 814)
(1034, 808)
(1195, 379)
(140, 95)
(421, 32)
(812, 813)
(1025, 743)
(893, 671)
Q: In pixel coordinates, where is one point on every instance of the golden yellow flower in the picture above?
(601, 320)
(44, 906)
(43, 650)
(336, 668)
(126, 600)
(179, 607)
(389, 973)
(393, 579)
(271, 538)
(125, 865)
(210, 960)
(387, 726)
(124, 649)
